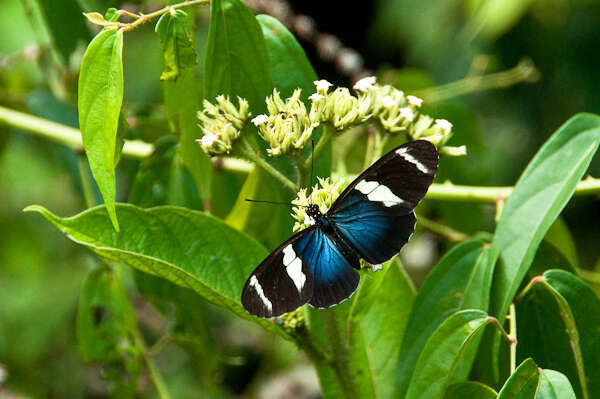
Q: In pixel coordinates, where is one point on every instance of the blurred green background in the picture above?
(415, 45)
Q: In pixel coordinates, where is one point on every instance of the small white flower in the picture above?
(260, 119)
(365, 84)
(444, 125)
(414, 101)
(375, 268)
(388, 101)
(407, 114)
(208, 140)
(316, 97)
(322, 85)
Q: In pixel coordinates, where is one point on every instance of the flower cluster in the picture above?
(323, 197)
(287, 127)
(221, 124)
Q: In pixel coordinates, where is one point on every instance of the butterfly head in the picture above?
(313, 215)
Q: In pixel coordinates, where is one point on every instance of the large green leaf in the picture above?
(236, 61)
(563, 310)
(237, 64)
(555, 385)
(364, 335)
(537, 199)
(186, 247)
(99, 102)
(181, 94)
(523, 383)
(471, 390)
(442, 354)
(457, 278)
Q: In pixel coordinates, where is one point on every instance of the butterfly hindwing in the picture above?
(309, 267)
(375, 212)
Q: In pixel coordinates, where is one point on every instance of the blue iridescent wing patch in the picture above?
(309, 267)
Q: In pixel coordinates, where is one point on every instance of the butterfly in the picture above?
(372, 218)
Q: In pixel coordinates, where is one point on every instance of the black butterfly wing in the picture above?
(308, 267)
(375, 212)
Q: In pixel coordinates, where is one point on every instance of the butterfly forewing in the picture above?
(375, 212)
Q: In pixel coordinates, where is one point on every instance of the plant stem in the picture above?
(328, 133)
(137, 149)
(524, 71)
(513, 335)
(143, 18)
(445, 231)
(252, 155)
(155, 376)
(64, 134)
(370, 146)
(301, 171)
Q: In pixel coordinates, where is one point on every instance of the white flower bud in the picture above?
(414, 101)
(365, 84)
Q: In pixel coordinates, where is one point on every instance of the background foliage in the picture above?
(73, 325)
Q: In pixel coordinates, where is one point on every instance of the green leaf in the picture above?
(555, 385)
(471, 390)
(186, 247)
(561, 238)
(442, 354)
(99, 102)
(180, 88)
(177, 46)
(563, 310)
(106, 328)
(65, 25)
(291, 69)
(463, 274)
(381, 324)
(236, 62)
(492, 18)
(538, 198)
(364, 335)
(523, 383)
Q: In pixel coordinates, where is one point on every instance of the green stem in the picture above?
(341, 354)
(86, 181)
(301, 171)
(252, 155)
(64, 134)
(524, 71)
(445, 231)
(370, 146)
(328, 133)
(136, 149)
(155, 376)
(513, 338)
(143, 18)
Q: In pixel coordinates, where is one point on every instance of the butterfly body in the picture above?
(372, 219)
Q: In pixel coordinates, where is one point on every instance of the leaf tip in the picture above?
(35, 208)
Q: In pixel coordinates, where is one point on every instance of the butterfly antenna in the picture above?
(272, 202)
(312, 162)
